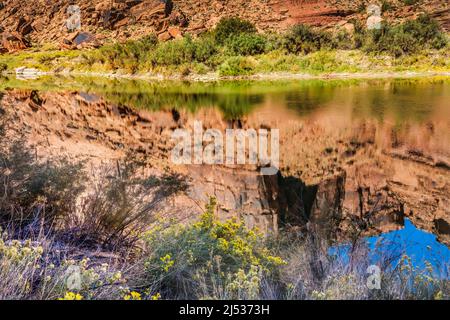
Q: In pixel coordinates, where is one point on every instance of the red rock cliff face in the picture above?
(372, 177)
(44, 21)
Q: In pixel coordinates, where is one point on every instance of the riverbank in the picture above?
(265, 76)
(414, 71)
(235, 50)
(324, 64)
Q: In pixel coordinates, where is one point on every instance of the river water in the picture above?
(368, 153)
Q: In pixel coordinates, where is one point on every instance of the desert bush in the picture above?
(108, 210)
(127, 56)
(34, 192)
(426, 31)
(386, 5)
(205, 48)
(208, 259)
(407, 38)
(3, 67)
(343, 40)
(320, 61)
(120, 205)
(184, 50)
(230, 27)
(246, 44)
(35, 270)
(236, 66)
(174, 52)
(17, 259)
(410, 2)
(304, 39)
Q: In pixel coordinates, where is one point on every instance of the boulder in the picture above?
(79, 40)
(164, 36)
(349, 28)
(122, 23)
(24, 26)
(102, 6)
(175, 32)
(13, 41)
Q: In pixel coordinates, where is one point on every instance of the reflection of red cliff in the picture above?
(337, 171)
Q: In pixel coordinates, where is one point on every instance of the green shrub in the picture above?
(247, 44)
(407, 38)
(190, 261)
(386, 5)
(174, 52)
(182, 51)
(320, 61)
(229, 27)
(205, 48)
(127, 56)
(391, 40)
(52, 194)
(236, 66)
(303, 39)
(410, 2)
(274, 41)
(426, 31)
(343, 40)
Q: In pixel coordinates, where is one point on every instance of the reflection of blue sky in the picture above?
(419, 245)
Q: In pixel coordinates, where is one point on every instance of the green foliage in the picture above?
(184, 260)
(229, 27)
(407, 38)
(205, 49)
(127, 56)
(247, 44)
(410, 2)
(391, 40)
(235, 66)
(304, 39)
(320, 61)
(174, 52)
(182, 51)
(386, 5)
(343, 40)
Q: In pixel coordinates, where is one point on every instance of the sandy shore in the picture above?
(260, 76)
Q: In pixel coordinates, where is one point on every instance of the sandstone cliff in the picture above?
(119, 20)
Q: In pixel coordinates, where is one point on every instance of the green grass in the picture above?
(44, 60)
